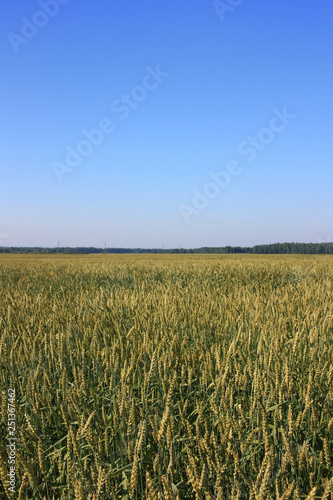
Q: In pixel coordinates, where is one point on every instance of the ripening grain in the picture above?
(168, 377)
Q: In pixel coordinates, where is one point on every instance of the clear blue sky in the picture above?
(181, 92)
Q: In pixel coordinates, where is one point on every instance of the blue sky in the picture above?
(180, 92)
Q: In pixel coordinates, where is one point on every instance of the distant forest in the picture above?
(275, 248)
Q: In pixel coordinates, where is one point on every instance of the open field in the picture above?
(171, 377)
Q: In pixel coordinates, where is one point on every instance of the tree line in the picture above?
(274, 248)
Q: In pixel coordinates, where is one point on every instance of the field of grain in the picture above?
(168, 377)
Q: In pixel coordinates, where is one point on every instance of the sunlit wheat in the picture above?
(172, 377)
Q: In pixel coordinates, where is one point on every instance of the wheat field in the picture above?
(168, 377)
